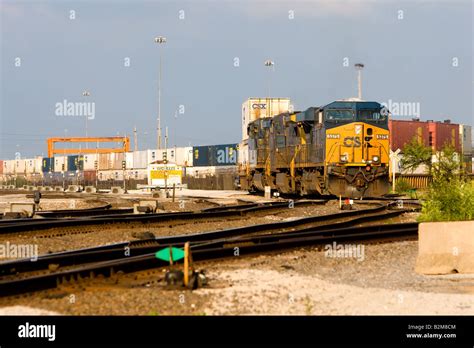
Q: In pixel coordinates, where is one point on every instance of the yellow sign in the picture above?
(162, 174)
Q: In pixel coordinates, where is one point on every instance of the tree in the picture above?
(446, 166)
(450, 196)
(416, 154)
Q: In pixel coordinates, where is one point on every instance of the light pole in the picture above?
(359, 67)
(86, 94)
(271, 64)
(63, 165)
(159, 40)
(174, 127)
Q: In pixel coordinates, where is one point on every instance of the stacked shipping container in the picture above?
(140, 160)
(60, 164)
(47, 165)
(443, 133)
(89, 161)
(215, 155)
(254, 108)
(433, 134)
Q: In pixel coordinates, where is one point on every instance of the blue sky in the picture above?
(415, 51)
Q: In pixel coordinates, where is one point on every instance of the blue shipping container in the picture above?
(201, 156)
(215, 155)
(48, 164)
(75, 163)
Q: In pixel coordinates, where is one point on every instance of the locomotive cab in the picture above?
(357, 148)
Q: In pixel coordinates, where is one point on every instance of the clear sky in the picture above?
(414, 52)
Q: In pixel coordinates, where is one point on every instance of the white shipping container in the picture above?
(20, 166)
(181, 156)
(33, 165)
(116, 159)
(136, 174)
(9, 167)
(254, 108)
(140, 160)
(104, 175)
(152, 156)
(184, 156)
(159, 155)
(129, 160)
(116, 174)
(60, 164)
(169, 154)
(39, 165)
(89, 161)
(200, 172)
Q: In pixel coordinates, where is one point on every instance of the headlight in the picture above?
(343, 158)
(375, 158)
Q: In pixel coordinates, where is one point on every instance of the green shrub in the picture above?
(451, 200)
(402, 186)
(20, 181)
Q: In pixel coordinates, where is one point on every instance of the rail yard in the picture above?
(259, 227)
(192, 172)
(99, 258)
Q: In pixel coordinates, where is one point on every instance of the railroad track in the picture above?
(26, 225)
(75, 265)
(71, 213)
(116, 250)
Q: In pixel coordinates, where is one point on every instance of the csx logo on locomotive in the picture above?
(259, 106)
(352, 141)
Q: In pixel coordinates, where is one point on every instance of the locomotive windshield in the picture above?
(339, 115)
(370, 115)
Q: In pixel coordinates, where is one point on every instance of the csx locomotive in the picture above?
(338, 149)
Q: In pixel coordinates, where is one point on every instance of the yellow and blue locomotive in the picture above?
(338, 149)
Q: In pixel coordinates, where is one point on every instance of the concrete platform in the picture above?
(445, 247)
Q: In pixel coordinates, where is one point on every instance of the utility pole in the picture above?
(359, 67)
(135, 138)
(86, 94)
(159, 40)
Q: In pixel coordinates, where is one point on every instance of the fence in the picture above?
(211, 182)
